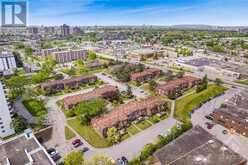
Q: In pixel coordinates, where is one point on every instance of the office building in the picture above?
(65, 30)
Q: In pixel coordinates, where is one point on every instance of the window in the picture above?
(2, 127)
(3, 131)
(1, 123)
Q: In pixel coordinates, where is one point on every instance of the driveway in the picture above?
(22, 111)
(138, 92)
(133, 145)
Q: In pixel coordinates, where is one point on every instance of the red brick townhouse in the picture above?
(123, 115)
(106, 92)
(178, 84)
(234, 114)
(146, 75)
(57, 85)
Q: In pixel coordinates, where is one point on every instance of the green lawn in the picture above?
(89, 134)
(35, 107)
(69, 134)
(245, 82)
(132, 130)
(143, 124)
(186, 104)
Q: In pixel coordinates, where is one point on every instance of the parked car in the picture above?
(225, 132)
(209, 125)
(124, 159)
(56, 157)
(85, 149)
(77, 142)
(52, 152)
(209, 117)
(120, 162)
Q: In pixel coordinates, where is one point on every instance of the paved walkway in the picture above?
(133, 145)
(22, 111)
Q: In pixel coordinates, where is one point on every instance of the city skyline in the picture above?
(143, 12)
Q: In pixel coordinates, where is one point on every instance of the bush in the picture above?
(69, 113)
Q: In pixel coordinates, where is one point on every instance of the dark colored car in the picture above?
(85, 149)
(56, 157)
(209, 117)
(124, 159)
(225, 132)
(52, 152)
(77, 142)
(120, 162)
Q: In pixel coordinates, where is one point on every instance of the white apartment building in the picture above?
(5, 115)
(7, 61)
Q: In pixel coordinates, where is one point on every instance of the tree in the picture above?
(74, 158)
(203, 85)
(218, 81)
(152, 84)
(129, 91)
(16, 85)
(100, 160)
(113, 135)
(28, 51)
(19, 124)
(92, 55)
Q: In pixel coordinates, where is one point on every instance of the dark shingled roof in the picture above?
(197, 147)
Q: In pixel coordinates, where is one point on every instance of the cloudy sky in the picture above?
(138, 12)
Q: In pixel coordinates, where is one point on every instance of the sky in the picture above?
(138, 12)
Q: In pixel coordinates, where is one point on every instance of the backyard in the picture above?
(185, 105)
(89, 134)
(35, 107)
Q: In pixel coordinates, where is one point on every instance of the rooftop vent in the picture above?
(211, 141)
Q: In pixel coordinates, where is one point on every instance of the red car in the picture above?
(76, 143)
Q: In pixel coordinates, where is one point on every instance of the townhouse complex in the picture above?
(177, 85)
(106, 92)
(233, 114)
(74, 82)
(146, 75)
(123, 115)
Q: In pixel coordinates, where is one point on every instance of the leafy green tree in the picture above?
(74, 158)
(28, 51)
(113, 135)
(91, 55)
(16, 85)
(218, 81)
(19, 124)
(152, 84)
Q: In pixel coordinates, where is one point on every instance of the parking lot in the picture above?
(236, 142)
